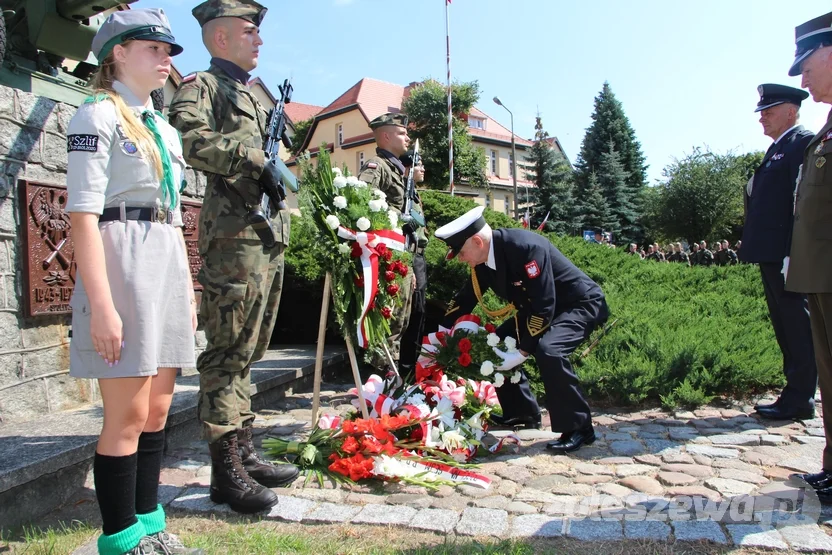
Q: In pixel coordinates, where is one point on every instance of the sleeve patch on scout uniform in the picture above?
(82, 143)
(532, 270)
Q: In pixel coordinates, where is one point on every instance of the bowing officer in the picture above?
(557, 307)
(767, 234)
(809, 267)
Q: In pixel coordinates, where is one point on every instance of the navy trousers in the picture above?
(789, 314)
(568, 410)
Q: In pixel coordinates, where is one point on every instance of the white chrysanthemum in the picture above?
(499, 380)
(378, 193)
(337, 172)
(359, 184)
(344, 248)
(487, 368)
(416, 399)
(363, 223)
(376, 205)
(515, 378)
(352, 180)
(511, 344)
(493, 339)
(394, 218)
(340, 202)
(332, 221)
(339, 182)
(452, 439)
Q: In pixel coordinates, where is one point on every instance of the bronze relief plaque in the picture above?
(49, 263)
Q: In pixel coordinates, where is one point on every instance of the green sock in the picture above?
(153, 522)
(121, 542)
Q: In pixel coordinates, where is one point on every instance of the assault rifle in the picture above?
(413, 219)
(274, 191)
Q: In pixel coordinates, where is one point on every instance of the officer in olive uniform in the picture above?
(385, 172)
(557, 306)
(767, 235)
(223, 125)
(808, 268)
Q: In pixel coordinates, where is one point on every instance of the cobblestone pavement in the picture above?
(713, 474)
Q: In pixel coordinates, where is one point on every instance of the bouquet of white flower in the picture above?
(360, 244)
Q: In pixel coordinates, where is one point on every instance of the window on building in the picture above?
(360, 160)
(493, 162)
(476, 123)
(340, 134)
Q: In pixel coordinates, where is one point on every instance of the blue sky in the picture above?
(686, 72)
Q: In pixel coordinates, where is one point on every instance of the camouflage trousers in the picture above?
(242, 282)
(398, 323)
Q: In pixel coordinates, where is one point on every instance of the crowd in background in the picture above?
(698, 255)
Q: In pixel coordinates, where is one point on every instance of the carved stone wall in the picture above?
(34, 344)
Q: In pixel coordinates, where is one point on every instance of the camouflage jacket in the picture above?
(385, 172)
(222, 126)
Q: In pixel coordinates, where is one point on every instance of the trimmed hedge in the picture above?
(683, 335)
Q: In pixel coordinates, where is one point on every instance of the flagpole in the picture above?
(450, 112)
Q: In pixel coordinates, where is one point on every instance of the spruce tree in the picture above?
(552, 174)
(593, 208)
(610, 124)
(612, 179)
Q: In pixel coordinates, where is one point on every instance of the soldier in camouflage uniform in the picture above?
(720, 256)
(707, 256)
(730, 254)
(385, 172)
(695, 255)
(222, 125)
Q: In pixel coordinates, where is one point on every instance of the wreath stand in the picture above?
(329, 292)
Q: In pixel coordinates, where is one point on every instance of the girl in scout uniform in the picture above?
(134, 315)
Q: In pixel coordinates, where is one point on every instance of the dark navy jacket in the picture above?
(534, 275)
(767, 232)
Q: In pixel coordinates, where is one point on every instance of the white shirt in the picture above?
(491, 262)
(785, 133)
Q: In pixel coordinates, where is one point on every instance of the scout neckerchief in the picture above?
(168, 188)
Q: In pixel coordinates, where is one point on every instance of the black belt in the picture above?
(145, 214)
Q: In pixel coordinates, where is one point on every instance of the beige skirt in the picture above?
(149, 281)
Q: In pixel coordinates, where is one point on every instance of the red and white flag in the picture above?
(525, 220)
(543, 223)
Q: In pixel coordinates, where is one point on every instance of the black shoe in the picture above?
(821, 480)
(780, 412)
(825, 495)
(572, 441)
(767, 406)
(517, 422)
(230, 483)
(261, 470)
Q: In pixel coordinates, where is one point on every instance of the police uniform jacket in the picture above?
(810, 265)
(223, 125)
(532, 274)
(768, 209)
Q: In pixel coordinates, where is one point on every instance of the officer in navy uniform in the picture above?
(767, 240)
(557, 306)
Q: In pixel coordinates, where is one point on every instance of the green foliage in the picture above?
(427, 110)
(701, 197)
(594, 209)
(301, 130)
(683, 335)
(611, 151)
(552, 174)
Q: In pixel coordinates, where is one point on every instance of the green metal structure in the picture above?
(45, 45)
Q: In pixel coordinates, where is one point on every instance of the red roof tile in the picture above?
(298, 112)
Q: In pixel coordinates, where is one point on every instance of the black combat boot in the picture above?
(230, 483)
(261, 470)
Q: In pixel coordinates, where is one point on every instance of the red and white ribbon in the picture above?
(450, 473)
(369, 242)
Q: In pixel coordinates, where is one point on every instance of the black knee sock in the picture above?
(148, 468)
(115, 488)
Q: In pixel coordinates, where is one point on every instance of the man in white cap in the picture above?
(557, 307)
(808, 269)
